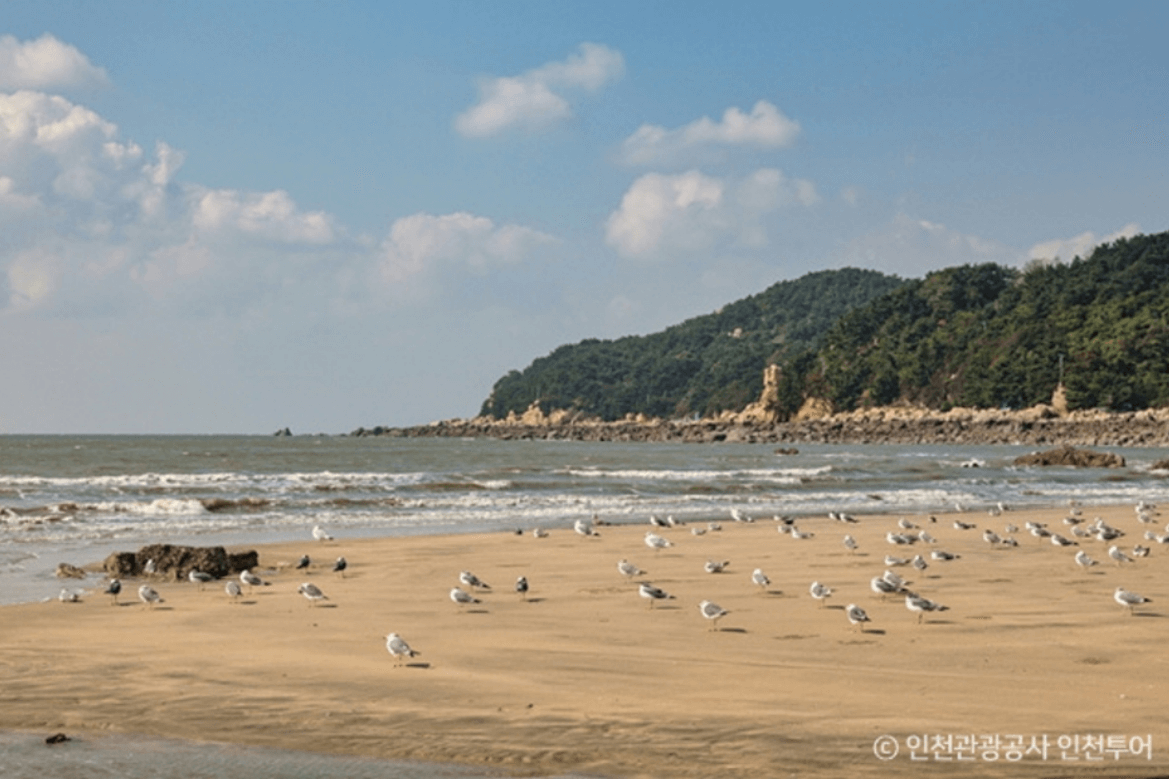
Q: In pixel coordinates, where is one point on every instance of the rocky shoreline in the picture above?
(1040, 426)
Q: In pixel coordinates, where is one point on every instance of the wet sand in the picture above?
(585, 676)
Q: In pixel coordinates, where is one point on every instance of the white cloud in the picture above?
(692, 211)
(45, 63)
(765, 127)
(1079, 246)
(911, 247)
(421, 242)
(532, 100)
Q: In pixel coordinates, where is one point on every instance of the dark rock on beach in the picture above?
(1070, 456)
(175, 562)
(67, 571)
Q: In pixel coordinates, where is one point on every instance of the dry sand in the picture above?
(584, 676)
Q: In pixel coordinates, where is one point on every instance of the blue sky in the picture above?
(235, 217)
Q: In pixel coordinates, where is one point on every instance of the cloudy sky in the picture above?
(236, 217)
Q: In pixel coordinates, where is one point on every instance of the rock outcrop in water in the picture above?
(175, 562)
(1070, 456)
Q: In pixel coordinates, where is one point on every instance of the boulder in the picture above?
(175, 562)
(1069, 455)
(67, 571)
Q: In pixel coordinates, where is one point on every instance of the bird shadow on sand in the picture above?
(415, 665)
(534, 600)
(475, 611)
(732, 630)
(162, 608)
(1147, 614)
(937, 622)
(873, 632)
(325, 606)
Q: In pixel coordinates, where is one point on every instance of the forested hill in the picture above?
(992, 337)
(703, 365)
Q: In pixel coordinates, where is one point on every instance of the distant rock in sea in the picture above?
(285, 432)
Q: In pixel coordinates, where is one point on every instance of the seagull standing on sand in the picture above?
(713, 612)
(760, 578)
(233, 590)
(113, 589)
(921, 605)
(149, 596)
(462, 598)
(1119, 556)
(312, 592)
(820, 592)
(1129, 599)
(715, 566)
(68, 596)
(195, 576)
(521, 586)
(584, 528)
(656, 542)
(398, 648)
(857, 616)
(250, 579)
(1083, 560)
(340, 566)
(850, 543)
(471, 580)
(652, 593)
(539, 532)
(628, 569)
(919, 563)
(320, 534)
(303, 563)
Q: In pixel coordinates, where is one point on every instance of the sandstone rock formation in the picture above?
(1070, 456)
(173, 563)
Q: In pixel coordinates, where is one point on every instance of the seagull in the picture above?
(820, 592)
(899, 539)
(539, 532)
(960, 525)
(921, 605)
(1119, 556)
(760, 578)
(713, 527)
(67, 596)
(656, 542)
(250, 579)
(1129, 599)
(1059, 540)
(398, 648)
(919, 563)
(798, 534)
(1140, 551)
(925, 537)
(857, 616)
(658, 521)
(149, 596)
(320, 534)
(312, 592)
(882, 587)
(938, 554)
(713, 612)
(303, 563)
(471, 580)
(652, 593)
(739, 516)
(113, 589)
(698, 531)
(715, 566)
(233, 590)
(991, 537)
(340, 566)
(195, 576)
(905, 524)
(462, 598)
(521, 586)
(584, 528)
(1083, 560)
(850, 543)
(629, 569)
(894, 579)
(150, 567)
(892, 561)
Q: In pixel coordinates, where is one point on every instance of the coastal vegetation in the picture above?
(981, 336)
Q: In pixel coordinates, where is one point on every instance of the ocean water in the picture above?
(78, 498)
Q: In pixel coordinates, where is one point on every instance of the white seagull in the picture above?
(715, 566)
(760, 578)
(1128, 599)
(1083, 560)
(195, 576)
(652, 593)
(713, 612)
(233, 590)
(149, 596)
(250, 579)
(471, 580)
(820, 592)
(857, 616)
(320, 534)
(1117, 555)
(921, 605)
(656, 542)
(462, 598)
(584, 528)
(398, 648)
(628, 569)
(312, 592)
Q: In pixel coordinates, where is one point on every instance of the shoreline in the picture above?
(1039, 426)
(583, 676)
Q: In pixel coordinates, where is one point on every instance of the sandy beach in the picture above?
(585, 676)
